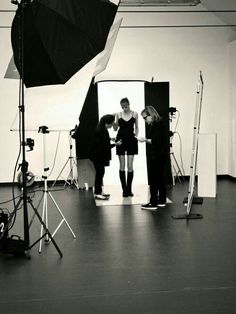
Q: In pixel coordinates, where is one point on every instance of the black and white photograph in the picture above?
(118, 156)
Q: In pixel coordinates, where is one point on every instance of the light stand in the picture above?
(24, 165)
(175, 168)
(193, 166)
(72, 178)
(44, 130)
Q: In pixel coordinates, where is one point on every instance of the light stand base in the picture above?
(188, 216)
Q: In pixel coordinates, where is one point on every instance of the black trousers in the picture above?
(100, 171)
(157, 180)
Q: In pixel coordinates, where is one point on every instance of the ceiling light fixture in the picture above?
(154, 3)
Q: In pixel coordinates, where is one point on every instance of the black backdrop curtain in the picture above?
(157, 95)
(88, 122)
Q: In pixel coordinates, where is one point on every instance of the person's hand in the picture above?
(118, 143)
(141, 139)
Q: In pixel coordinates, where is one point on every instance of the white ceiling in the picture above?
(227, 18)
(211, 5)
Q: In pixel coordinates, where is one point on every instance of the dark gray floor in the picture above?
(127, 260)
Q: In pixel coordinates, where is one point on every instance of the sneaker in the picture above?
(106, 195)
(149, 206)
(100, 197)
(162, 205)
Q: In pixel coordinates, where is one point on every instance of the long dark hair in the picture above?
(107, 119)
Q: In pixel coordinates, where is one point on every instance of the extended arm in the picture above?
(145, 140)
(115, 123)
(136, 128)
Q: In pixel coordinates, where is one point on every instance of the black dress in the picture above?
(126, 134)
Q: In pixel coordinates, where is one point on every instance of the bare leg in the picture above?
(130, 161)
(122, 162)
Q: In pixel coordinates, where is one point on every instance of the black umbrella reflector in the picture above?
(59, 38)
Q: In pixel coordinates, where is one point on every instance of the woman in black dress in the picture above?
(126, 123)
(101, 153)
(157, 152)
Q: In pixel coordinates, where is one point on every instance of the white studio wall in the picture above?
(109, 96)
(207, 180)
(176, 55)
(167, 54)
(232, 123)
(57, 107)
(9, 104)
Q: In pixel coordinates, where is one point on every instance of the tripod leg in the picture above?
(63, 218)
(45, 228)
(178, 167)
(71, 177)
(60, 173)
(44, 218)
(75, 177)
(172, 169)
(32, 219)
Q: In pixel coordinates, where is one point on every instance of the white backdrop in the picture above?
(109, 96)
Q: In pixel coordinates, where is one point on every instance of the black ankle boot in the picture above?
(130, 175)
(123, 183)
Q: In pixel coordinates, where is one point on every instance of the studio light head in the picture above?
(30, 143)
(172, 110)
(43, 129)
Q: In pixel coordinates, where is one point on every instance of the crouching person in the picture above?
(100, 153)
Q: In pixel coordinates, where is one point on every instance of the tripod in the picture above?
(44, 130)
(175, 168)
(47, 232)
(72, 178)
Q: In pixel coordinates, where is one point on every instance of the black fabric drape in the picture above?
(88, 123)
(157, 95)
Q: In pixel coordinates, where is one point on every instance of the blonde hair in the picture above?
(151, 111)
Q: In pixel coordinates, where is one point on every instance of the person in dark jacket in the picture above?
(101, 153)
(157, 154)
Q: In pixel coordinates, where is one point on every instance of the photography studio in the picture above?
(118, 159)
